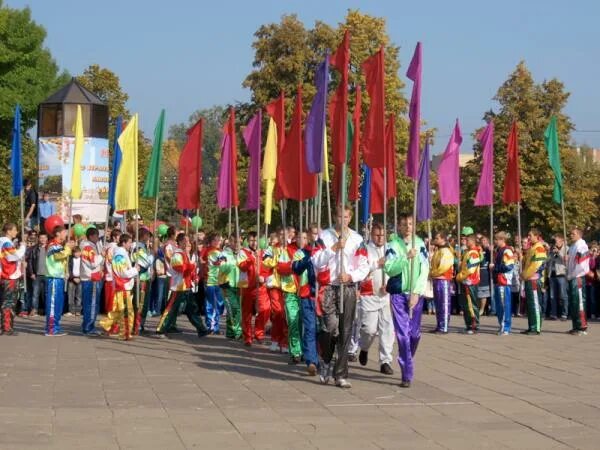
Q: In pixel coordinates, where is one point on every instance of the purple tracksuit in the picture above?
(441, 295)
(408, 331)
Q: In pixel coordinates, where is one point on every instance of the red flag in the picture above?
(374, 135)
(338, 108)
(376, 204)
(296, 182)
(190, 169)
(276, 109)
(355, 157)
(235, 201)
(512, 182)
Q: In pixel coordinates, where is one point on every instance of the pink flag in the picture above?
(448, 171)
(253, 139)
(485, 191)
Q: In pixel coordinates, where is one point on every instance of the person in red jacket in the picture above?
(11, 259)
(247, 263)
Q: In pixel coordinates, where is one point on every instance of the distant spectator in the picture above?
(36, 273)
(74, 290)
(31, 201)
(46, 209)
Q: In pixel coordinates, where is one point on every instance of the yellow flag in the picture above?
(325, 159)
(126, 191)
(269, 168)
(77, 156)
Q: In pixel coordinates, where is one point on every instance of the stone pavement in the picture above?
(484, 391)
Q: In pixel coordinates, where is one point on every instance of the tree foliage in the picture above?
(28, 74)
(532, 104)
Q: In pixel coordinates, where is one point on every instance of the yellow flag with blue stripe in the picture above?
(126, 192)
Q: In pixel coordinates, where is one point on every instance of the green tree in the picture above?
(28, 74)
(532, 104)
(287, 54)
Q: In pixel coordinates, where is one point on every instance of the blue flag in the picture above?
(15, 156)
(365, 194)
(424, 189)
(315, 122)
(116, 163)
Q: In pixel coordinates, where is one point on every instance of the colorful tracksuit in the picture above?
(91, 284)
(182, 272)
(504, 266)
(143, 258)
(578, 265)
(442, 273)
(533, 268)
(123, 279)
(407, 322)
(214, 299)
(375, 315)
(249, 296)
(289, 286)
(336, 327)
(10, 273)
(57, 261)
(109, 287)
(272, 290)
(231, 279)
(468, 276)
(304, 270)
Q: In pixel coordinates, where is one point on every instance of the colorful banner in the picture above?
(55, 170)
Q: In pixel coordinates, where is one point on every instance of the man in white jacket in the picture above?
(335, 245)
(375, 313)
(578, 265)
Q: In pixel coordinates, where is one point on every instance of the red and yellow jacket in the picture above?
(469, 267)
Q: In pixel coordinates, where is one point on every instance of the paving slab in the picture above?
(481, 392)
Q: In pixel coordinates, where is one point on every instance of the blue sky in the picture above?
(186, 55)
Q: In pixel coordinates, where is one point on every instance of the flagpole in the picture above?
(356, 215)
(237, 227)
(229, 223)
(564, 219)
(342, 197)
(22, 201)
(155, 211)
(519, 235)
(300, 218)
(385, 215)
(458, 226)
(396, 213)
(491, 250)
(328, 204)
(319, 199)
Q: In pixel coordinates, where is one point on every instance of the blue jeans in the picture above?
(558, 297)
(157, 295)
(309, 334)
(91, 293)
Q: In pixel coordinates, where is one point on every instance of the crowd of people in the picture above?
(320, 296)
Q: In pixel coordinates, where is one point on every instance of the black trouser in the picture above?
(336, 328)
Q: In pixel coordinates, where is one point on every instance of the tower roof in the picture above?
(73, 92)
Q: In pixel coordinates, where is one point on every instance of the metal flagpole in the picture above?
(328, 203)
(396, 213)
(22, 201)
(384, 215)
(519, 232)
(491, 251)
(356, 215)
(229, 223)
(564, 219)
(413, 240)
(342, 197)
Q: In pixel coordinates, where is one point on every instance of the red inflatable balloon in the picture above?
(52, 222)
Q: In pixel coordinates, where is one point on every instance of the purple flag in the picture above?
(315, 122)
(485, 191)
(414, 113)
(448, 171)
(253, 139)
(424, 190)
(224, 193)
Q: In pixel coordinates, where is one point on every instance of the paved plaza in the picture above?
(470, 392)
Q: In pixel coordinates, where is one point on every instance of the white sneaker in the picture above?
(284, 350)
(343, 383)
(274, 347)
(582, 333)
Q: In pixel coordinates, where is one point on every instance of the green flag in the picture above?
(551, 141)
(153, 177)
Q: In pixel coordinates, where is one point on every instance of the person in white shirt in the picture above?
(578, 265)
(375, 314)
(339, 244)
